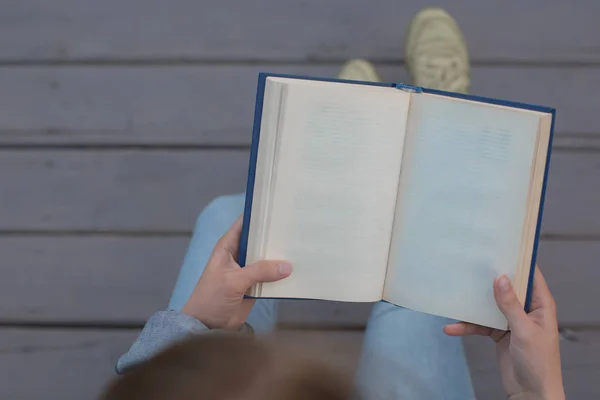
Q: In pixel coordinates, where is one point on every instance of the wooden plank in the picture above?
(87, 279)
(571, 270)
(157, 190)
(580, 363)
(76, 364)
(68, 30)
(114, 190)
(126, 279)
(573, 195)
(213, 105)
(69, 364)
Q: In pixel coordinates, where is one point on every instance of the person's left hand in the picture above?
(218, 299)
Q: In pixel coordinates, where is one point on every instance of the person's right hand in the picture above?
(528, 355)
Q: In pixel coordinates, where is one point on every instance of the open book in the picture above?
(382, 191)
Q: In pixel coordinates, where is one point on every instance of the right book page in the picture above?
(461, 206)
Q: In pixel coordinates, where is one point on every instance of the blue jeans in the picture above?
(405, 353)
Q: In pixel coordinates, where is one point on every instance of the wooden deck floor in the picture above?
(121, 119)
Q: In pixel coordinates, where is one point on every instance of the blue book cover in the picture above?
(262, 78)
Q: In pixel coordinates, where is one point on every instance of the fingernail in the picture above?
(504, 284)
(285, 268)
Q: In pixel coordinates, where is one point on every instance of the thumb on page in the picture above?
(264, 271)
(509, 304)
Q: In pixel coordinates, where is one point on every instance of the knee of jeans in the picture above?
(383, 307)
(227, 207)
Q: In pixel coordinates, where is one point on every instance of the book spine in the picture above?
(409, 88)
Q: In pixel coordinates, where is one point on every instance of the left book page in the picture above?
(326, 184)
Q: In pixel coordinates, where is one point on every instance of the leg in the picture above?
(212, 223)
(407, 356)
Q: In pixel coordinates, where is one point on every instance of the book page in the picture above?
(461, 207)
(334, 189)
(272, 104)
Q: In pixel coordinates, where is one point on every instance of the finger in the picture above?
(467, 329)
(230, 241)
(509, 304)
(541, 296)
(263, 271)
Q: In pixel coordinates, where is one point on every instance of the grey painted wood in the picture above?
(572, 194)
(271, 30)
(126, 279)
(76, 364)
(214, 104)
(65, 364)
(87, 279)
(571, 270)
(580, 362)
(154, 190)
(116, 189)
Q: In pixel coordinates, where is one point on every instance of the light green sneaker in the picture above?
(436, 52)
(359, 70)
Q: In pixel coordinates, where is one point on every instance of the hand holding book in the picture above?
(218, 298)
(528, 355)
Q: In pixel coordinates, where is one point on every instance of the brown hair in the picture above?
(224, 367)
